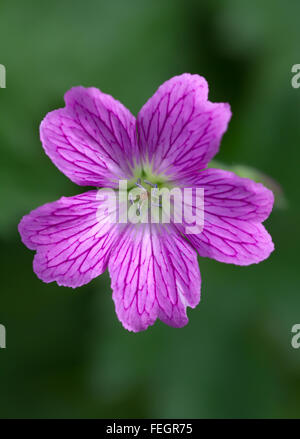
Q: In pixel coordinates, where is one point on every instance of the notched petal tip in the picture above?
(235, 208)
(73, 242)
(92, 139)
(179, 129)
(153, 275)
(23, 232)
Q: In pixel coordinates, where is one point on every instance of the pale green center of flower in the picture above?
(145, 173)
(144, 193)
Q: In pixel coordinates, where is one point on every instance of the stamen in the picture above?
(140, 199)
(139, 185)
(149, 182)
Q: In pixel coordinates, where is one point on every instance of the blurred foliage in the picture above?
(67, 355)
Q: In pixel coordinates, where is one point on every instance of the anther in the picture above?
(138, 184)
(149, 182)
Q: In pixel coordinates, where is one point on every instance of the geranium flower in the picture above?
(96, 141)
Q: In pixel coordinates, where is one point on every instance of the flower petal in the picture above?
(73, 242)
(155, 274)
(179, 129)
(234, 208)
(92, 139)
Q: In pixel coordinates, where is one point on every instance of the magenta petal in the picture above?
(92, 140)
(179, 129)
(72, 245)
(155, 274)
(234, 208)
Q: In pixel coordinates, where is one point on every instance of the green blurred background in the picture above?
(67, 354)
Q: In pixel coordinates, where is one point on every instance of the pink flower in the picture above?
(96, 141)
